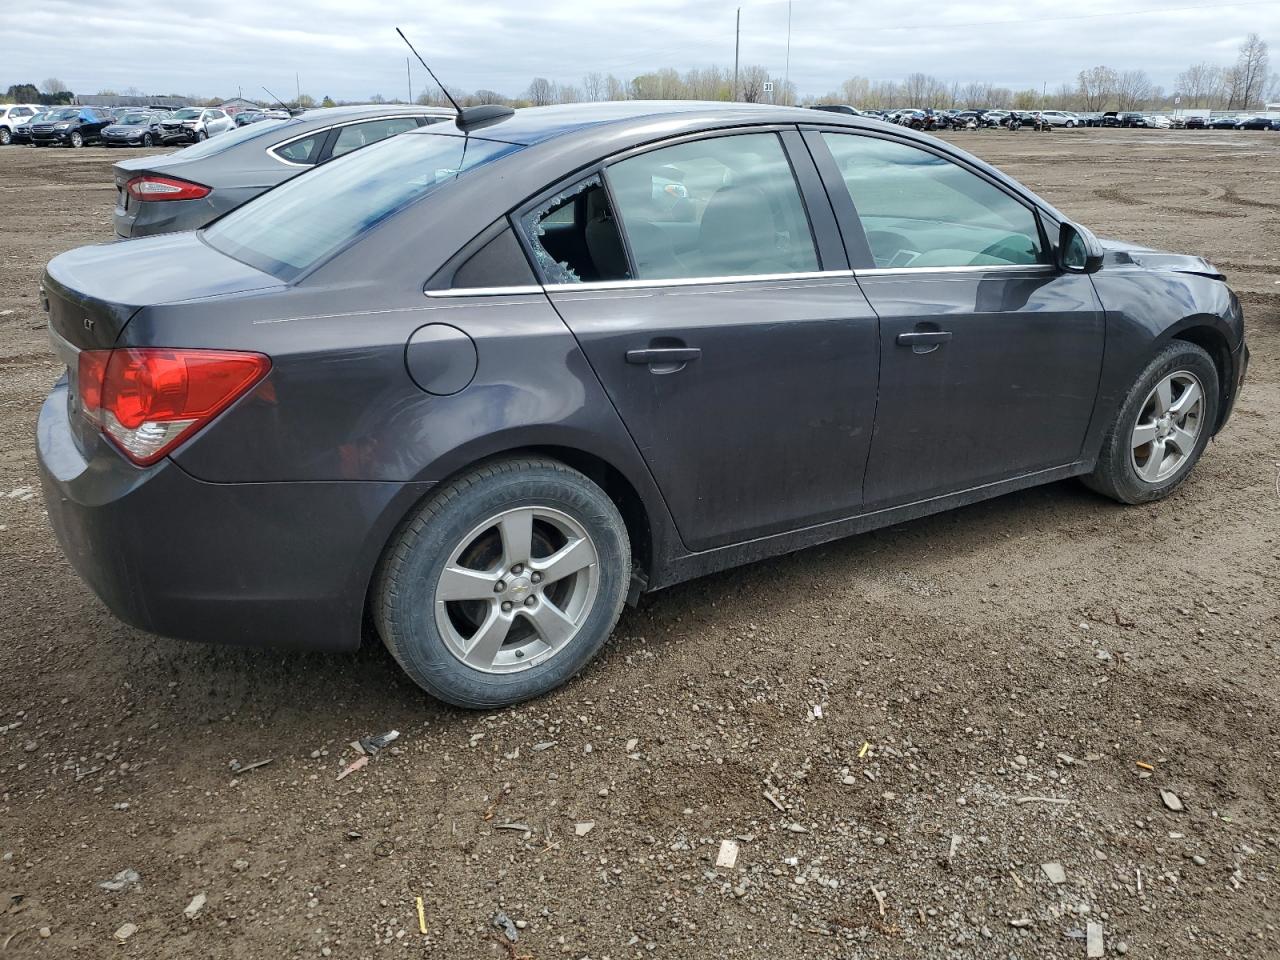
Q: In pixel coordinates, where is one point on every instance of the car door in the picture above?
(707, 286)
(989, 354)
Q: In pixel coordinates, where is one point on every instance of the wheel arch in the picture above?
(1206, 335)
(637, 513)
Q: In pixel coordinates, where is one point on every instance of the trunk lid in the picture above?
(92, 292)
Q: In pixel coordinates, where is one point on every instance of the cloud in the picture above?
(350, 51)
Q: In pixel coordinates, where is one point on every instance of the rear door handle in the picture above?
(924, 338)
(653, 355)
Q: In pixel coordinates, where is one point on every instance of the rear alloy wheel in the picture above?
(1162, 428)
(504, 584)
(77, 139)
(5, 137)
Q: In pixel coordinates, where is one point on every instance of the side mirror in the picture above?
(1078, 249)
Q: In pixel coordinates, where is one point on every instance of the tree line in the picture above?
(1245, 84)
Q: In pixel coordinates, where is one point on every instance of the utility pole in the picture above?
(409, 75)
(786, 73)
(737, 37)
(297, 81)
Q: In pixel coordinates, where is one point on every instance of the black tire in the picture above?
(405, 586)
(76, 140)
(1115, 475)
(147, 140)
(6, 137)
(201, 135)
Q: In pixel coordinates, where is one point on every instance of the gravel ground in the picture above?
(944, 739)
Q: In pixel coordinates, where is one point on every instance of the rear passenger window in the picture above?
(356, 135)
(574, 236)
(306, 150)
(722, 207)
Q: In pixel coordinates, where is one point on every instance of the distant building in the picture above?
(118, 100)
(236, 104)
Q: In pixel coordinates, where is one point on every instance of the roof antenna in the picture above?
(279, 101)
(468, 118)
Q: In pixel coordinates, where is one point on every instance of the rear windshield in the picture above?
(302, 222)
(225, 141)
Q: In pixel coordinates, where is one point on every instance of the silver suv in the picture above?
(1062, 118)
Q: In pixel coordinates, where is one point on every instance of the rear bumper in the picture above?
(262, 564)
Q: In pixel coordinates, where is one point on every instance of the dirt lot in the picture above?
(1038, 646)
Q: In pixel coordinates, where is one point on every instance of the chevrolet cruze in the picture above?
(483, 382)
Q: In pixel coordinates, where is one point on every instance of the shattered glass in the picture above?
(556, 271)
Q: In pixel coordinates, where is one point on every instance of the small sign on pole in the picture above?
(768, 86)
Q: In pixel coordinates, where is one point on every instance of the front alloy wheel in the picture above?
(77, 139)
(1168, 427)
(5, 137)
(1161, 428)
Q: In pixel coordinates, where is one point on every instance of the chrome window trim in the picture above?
(271, 151)
(639, 284)
(990, 268)
(523, 290)
(696, 281)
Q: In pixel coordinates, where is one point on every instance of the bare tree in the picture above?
(854, 91)
(614, 89)
(1251, 68)
(1133, 89)
(1198, 83)
(593, 86)
(1097, 86)
(751, 81)
(54, 86)
(489, 96)
(541, 92)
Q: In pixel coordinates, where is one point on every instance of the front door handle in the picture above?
(664, 355)
(924, 337)
(924, 341)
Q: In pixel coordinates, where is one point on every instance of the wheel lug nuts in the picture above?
(530, 601)
(516, 570)
(506, 606)
(536, 578)
(499, 587)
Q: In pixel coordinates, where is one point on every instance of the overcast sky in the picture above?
(349, 50)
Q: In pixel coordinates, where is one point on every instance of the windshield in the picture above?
(65, 114)
(225, 141)
(306, 220)
(187, 113)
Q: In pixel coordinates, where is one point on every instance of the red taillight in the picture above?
(152, 187)
(149, 400)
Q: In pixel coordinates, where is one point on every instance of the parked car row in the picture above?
(431, 383)
(929, 119)
(78, 126)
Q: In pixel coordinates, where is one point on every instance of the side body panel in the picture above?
(768, 429)
(1010, 393)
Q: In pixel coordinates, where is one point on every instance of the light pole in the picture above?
(786, 72)
(737, 38)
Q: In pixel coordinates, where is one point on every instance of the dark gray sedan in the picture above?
(485, 389)
(187, 189)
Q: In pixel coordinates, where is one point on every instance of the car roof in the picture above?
(590, 121)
